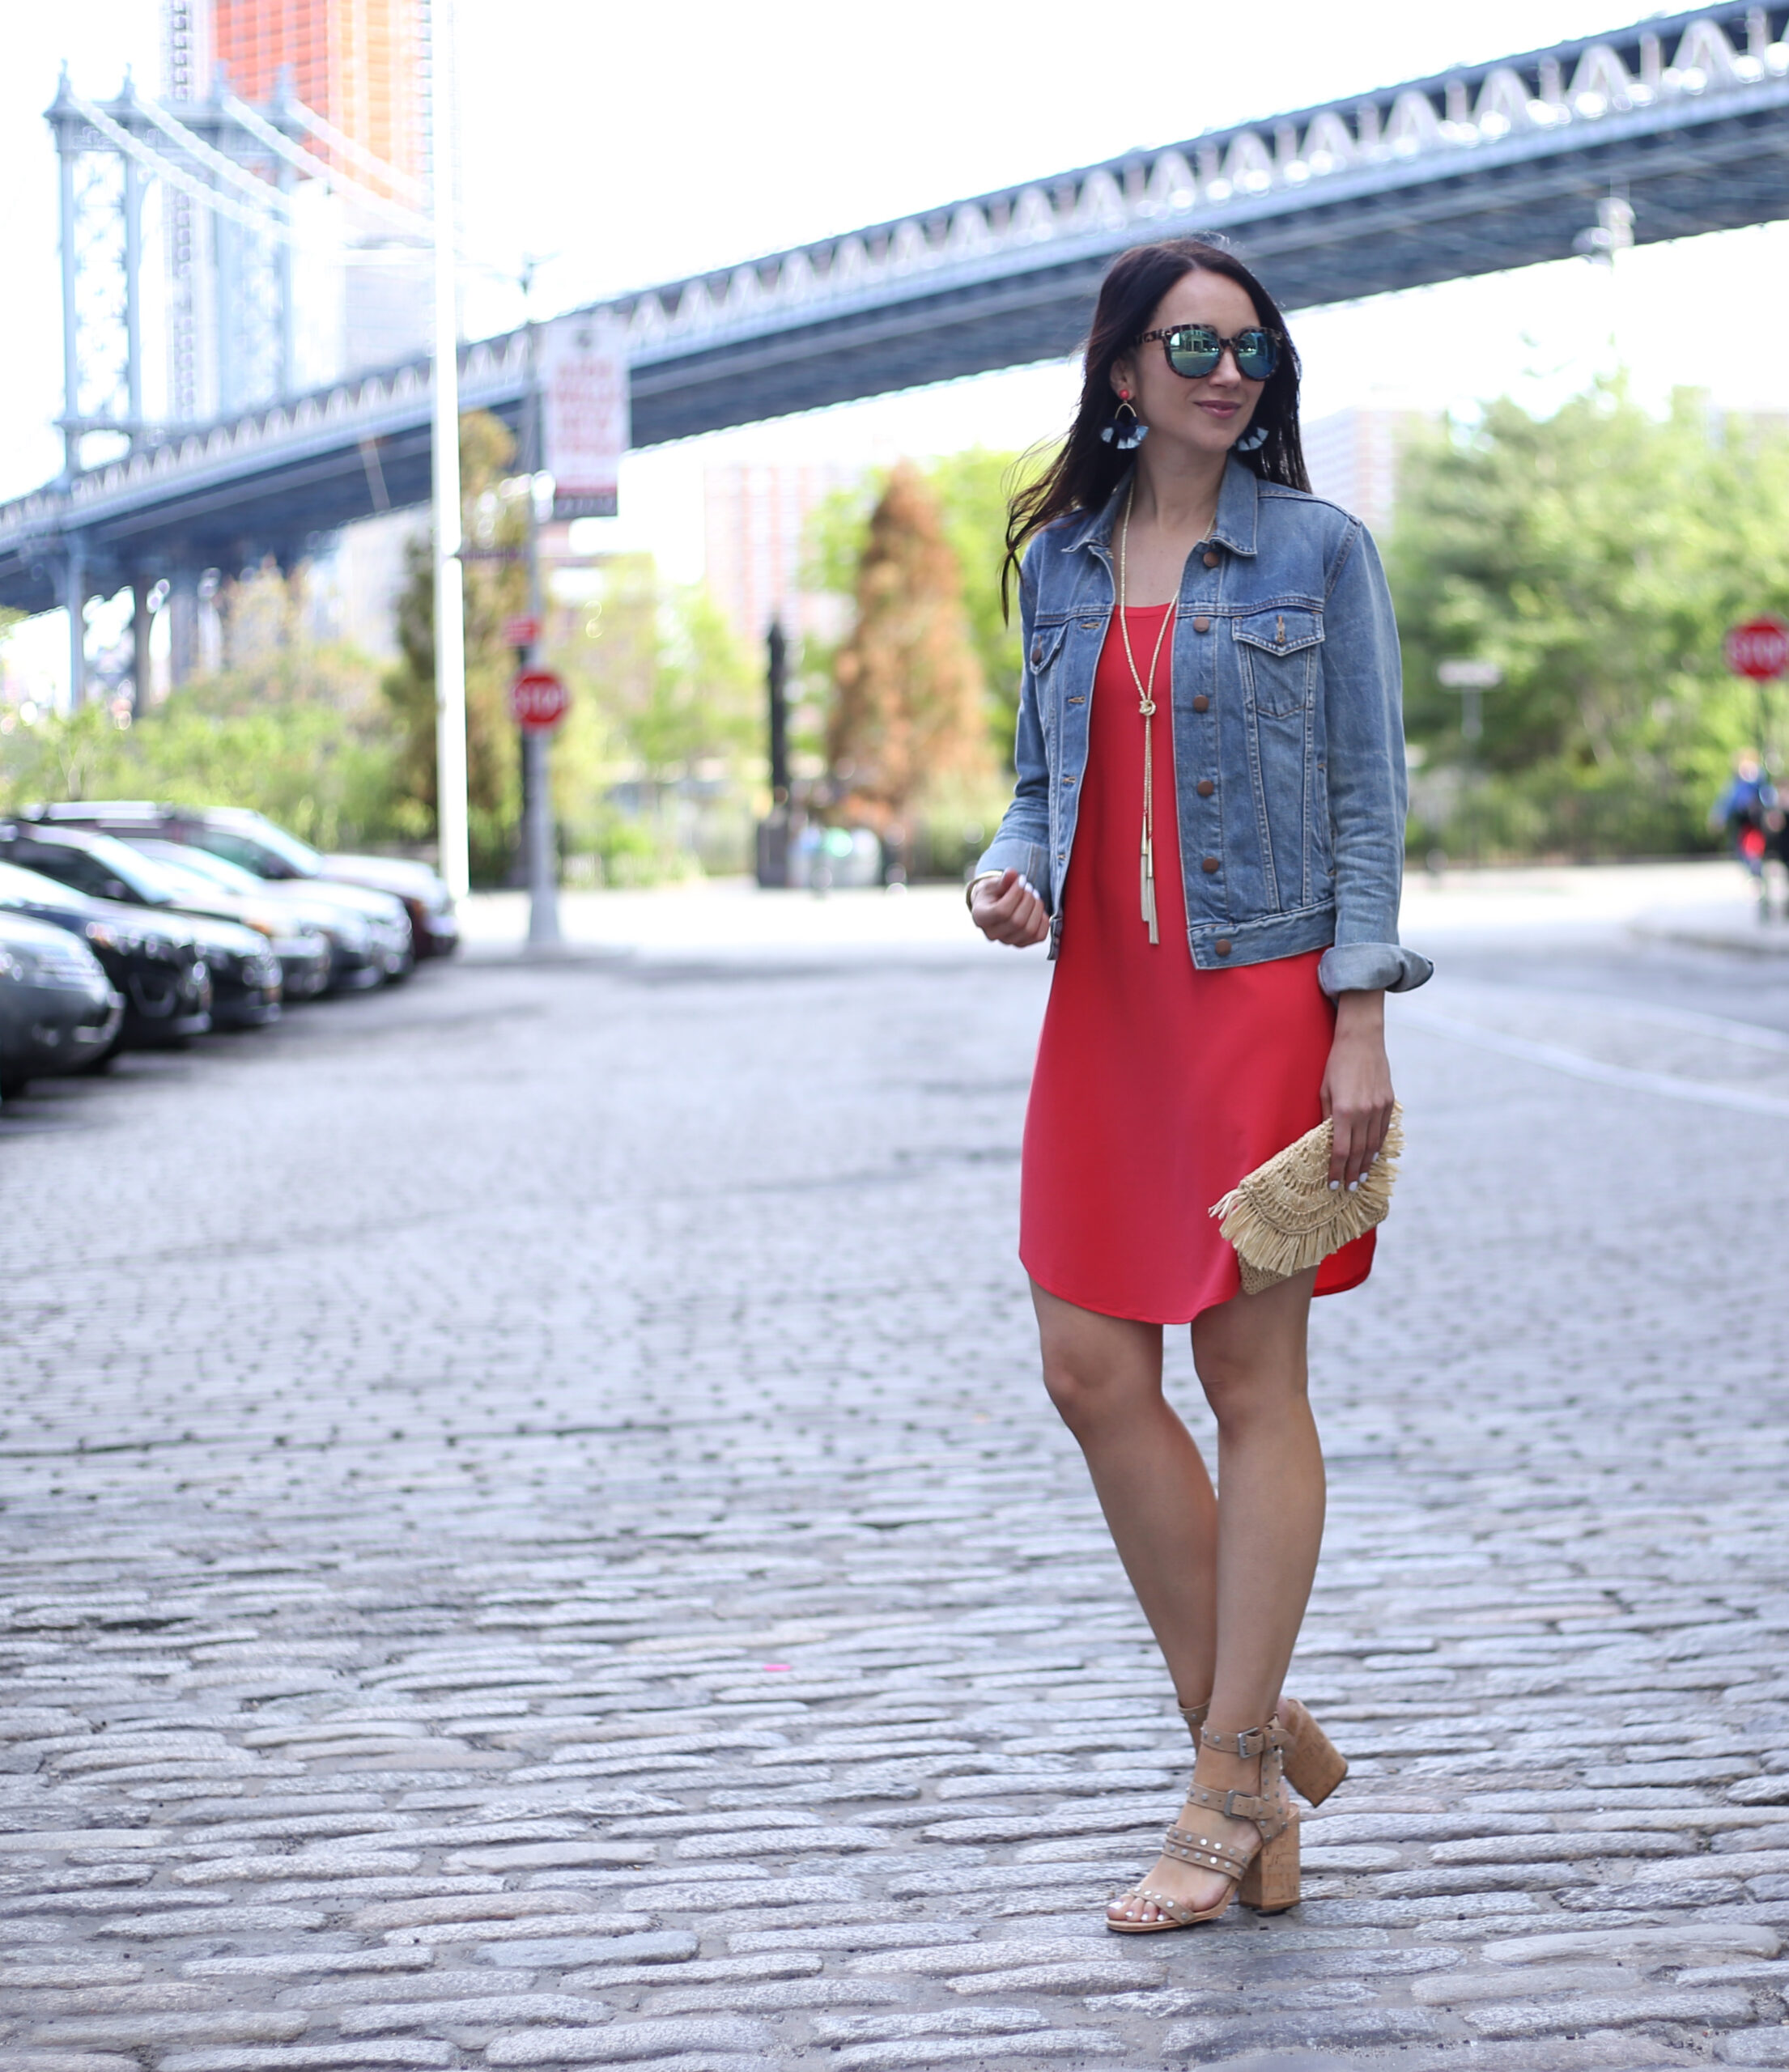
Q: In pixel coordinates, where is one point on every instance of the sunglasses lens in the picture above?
(1194, 350)
(1257, 354)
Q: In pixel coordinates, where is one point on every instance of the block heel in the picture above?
(1270, 1884)
(1314, 1765)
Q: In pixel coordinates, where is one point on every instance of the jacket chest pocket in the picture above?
(1044, 657)
(1278, 653)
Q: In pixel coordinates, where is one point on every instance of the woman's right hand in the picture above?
(1007, 910)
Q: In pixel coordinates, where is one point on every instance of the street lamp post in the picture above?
(450, 655)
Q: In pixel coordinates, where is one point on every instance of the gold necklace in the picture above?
(1145, 705)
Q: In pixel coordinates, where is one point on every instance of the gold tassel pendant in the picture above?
(1148, 871)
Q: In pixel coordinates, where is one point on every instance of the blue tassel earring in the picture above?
(1253, 440)
(1127, 431)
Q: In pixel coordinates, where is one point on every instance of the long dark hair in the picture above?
(1086, 469)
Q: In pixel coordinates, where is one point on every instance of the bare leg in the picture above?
(1104, 1375)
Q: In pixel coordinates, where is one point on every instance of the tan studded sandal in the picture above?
(1314, 1765)
(1266, 1877)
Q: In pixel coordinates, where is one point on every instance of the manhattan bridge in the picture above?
(1676, 126)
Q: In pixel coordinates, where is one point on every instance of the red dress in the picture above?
(1157, 1085)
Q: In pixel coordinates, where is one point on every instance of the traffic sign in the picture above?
(521, 632)
(1759, 649)
(538, 700)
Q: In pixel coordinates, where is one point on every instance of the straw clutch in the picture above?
(1286, 1216)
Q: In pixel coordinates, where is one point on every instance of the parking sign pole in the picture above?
(543, 868)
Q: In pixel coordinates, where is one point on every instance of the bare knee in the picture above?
(1246, 1389)
(1088, 1400)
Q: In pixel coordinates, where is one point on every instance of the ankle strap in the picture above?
(1270, 1815)
(1251, 1741)
(1194, 1716)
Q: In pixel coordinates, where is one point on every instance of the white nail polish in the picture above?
(1354, 1186)
(1334, 1185)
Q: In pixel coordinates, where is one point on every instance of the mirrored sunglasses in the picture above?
(1194, 349)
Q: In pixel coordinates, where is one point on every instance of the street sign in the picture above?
(538, 700)
(522, 631)
(1759, 649)
(583, 412)
(1469, 675)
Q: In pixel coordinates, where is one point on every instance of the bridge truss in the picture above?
(1676, 126)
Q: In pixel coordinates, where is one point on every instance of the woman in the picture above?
(1208, 827)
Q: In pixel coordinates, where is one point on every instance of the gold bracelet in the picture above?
(981, 877)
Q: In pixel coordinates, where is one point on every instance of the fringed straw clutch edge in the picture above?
(1284, 1216)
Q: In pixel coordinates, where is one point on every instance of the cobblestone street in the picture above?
(531, 1536)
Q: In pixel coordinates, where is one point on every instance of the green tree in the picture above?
(651, 769)
(292, 725)
(1595, 556)
(907, 725)
(495, 516)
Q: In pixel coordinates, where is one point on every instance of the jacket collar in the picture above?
(1238, 497)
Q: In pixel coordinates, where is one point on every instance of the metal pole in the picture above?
(543, 868)
(282, 249)
(71, 353)
(133, 298)
(75, 597)
(140, 664)
(450, 654)
(779, 714)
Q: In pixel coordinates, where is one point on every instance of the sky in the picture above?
(631, 144)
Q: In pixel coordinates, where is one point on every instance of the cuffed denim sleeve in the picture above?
(1021, 841)
(1363, 724)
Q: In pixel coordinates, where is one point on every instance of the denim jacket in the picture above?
(1287, 732)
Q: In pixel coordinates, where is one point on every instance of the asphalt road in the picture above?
(529, 1536)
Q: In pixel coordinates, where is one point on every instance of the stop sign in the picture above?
(538, 700)
(1759, 649)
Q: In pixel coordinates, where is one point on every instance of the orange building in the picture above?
(358, 63)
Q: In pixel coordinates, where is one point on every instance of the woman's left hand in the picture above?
(1357, 1086)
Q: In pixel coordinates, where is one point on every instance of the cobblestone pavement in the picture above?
(531, 1537)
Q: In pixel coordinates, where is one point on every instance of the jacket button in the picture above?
(1211, 561)
(1208, 865)
(1037, 654)
(1201, 624)
(1223, 945)
(1206, 787)
(1201, 703)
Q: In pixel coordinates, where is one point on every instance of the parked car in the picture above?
(351, 958)
(107, 868)
(245, 978)
(390, 936)
(152, 959)
(261, 846)
(59, 1010)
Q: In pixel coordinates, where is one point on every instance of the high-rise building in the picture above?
(1353, 458)
(357, 63)
(360, 293)
(757, 516)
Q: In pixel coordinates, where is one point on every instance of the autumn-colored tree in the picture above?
(908, 721)
(495, 592)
